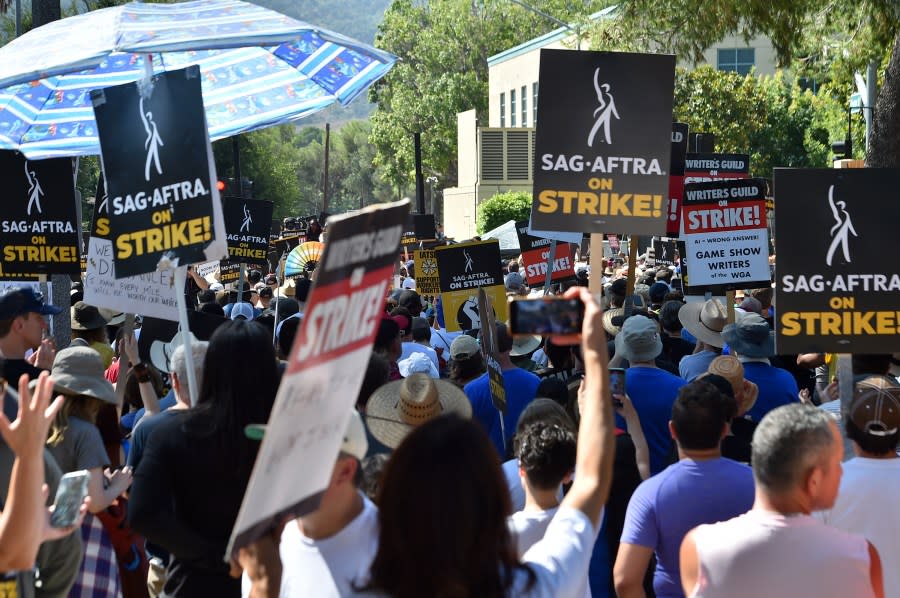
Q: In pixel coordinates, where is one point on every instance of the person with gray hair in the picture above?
(777, 548)
(178, 375)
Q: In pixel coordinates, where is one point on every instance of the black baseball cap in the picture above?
(19, 301)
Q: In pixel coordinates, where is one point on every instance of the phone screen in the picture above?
(73, 487)
(546, 316)
(616, 384)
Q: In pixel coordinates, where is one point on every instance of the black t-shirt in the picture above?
(675, 348)
(14, 368)
(737, 445)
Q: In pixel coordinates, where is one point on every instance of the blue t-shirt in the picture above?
(653, 393)
(521, 387)
(686, 494)
(131, 418)
(777, 387)
(693, 365)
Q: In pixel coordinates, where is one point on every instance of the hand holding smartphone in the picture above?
(73, 487)
(546, 316)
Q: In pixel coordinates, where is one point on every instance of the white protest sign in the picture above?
(324, 372)
(151, 294)
(207, 269)
(562, 237)
(725, 233)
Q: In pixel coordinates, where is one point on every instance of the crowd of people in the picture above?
(715, 471)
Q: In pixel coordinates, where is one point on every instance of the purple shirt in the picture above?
(666, 507)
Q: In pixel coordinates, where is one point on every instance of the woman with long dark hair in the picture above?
(443, 505)
(188, 488)
(444, 502)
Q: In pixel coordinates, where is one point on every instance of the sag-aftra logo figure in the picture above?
(606, 109)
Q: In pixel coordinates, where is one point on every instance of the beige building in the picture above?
(499, 157)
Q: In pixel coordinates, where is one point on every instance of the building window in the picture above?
(524, 106)
(739, 60)
(512, 107)
(502, 109)
(534, 90)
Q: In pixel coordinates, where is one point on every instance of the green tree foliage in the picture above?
(822, 39)
(501, 208)
(771, 118)
(443, 47)
(286, 166)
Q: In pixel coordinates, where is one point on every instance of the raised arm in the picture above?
(596, 435)
(641, 450)
(23, 518)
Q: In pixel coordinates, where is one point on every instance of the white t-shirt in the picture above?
(408, 348)
(866, 504)
(761, 553)
(441, 339)
(327, 568)
(560, 560)
(528, 527)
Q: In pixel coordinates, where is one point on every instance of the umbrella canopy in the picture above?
(259, 68)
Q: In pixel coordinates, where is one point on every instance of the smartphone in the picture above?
(616, 384)
(73, 487)
(545, 316)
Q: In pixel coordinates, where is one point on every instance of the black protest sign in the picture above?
(463, 269)
(837, 272)
(324, 372)
(160, 332)
(676, 178)
(247, 226)
(469, 265)
(419, 227)
(665, 251)
(679, 148)
(490, 352)
(603, 144)
(38, 217)
(725, 234)
(160, 179)
(527, 242)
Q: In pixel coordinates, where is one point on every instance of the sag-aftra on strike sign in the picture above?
(838, 276)
(604, 140)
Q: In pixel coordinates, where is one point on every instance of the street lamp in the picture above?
(431, 181)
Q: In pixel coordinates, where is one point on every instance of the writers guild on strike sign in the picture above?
(159, 173)
(324, 372)
(838, 283)
(38, 217)
(603, 141)
(725, 233)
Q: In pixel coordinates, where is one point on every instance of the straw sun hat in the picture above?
(730, 368)
(397, 407)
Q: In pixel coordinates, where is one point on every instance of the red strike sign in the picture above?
(704, 218)
(536, 264)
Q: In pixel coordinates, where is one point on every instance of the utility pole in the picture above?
(325, 181)
(43, 12)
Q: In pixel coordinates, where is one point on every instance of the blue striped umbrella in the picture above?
(259, 68)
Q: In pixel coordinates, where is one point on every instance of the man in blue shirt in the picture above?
(651, 389)
(752, 340)
(703, 487)
(520, 385)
